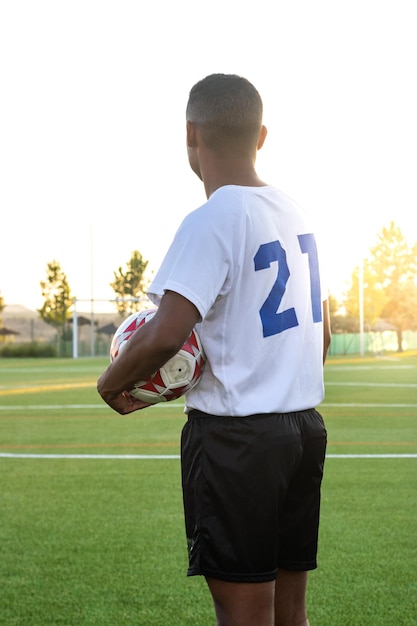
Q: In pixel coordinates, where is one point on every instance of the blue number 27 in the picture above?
(274, 322)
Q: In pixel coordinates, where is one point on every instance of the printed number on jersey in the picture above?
(273, 320)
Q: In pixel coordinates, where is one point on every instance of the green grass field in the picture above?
(91, 528)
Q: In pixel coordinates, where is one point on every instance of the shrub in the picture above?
(24, 350)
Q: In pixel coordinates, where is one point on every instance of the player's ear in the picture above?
(262, 136)
(191, 135)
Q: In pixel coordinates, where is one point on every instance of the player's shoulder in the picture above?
(234, 198)
(229, 206)
(223, 205)
(237, 195)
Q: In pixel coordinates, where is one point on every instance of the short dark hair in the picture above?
(228, 110)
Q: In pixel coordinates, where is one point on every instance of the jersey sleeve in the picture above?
(198, 262)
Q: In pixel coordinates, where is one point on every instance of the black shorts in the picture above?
(252, 493)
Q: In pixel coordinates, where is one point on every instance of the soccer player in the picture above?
(244, 269)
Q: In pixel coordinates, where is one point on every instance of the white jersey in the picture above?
(247, 259)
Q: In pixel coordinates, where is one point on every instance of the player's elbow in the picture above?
(327, 333)
(164, 340)
(326, 343)
(166, 345)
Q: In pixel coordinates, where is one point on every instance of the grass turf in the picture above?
(97, 541)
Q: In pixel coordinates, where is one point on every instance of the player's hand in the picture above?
(126, 403)
(123, 403)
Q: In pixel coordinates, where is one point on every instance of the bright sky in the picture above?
(92, 147)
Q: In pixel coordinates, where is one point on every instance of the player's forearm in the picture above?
(146, 351)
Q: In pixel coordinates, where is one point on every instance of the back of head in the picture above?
(228, 110)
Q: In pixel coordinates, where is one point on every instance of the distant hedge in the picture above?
(25, 350)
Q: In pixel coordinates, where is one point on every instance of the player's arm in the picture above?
(147, 350)
(327, 335)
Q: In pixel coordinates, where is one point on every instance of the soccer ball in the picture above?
(180, 374)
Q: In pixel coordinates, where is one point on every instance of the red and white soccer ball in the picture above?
(180, 374)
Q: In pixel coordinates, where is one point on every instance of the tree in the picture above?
(57, 298)
(339, 321)
(130, 283)
(389, 283)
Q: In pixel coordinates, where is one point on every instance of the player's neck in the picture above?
(220, 172)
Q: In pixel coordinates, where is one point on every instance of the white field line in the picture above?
(371, 456)
(344, 368)
(397, 405)
(362, 384)
(130, 457)
(168, 405)
(111, 457)
(43, 407)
